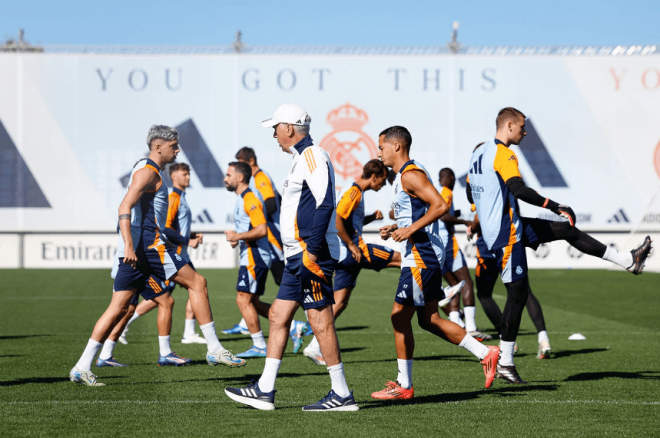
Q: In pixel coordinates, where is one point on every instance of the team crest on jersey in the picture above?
(347, 145)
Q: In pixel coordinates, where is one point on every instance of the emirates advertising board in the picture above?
(73, 125)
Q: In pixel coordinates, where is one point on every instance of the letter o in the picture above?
(657, 79)
(145, 79)
(293, 80)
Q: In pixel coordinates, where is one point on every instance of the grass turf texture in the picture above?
(609, 383)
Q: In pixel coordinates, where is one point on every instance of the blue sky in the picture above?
(337, 22)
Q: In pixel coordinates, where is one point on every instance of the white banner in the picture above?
(10, 251)
(73, 125)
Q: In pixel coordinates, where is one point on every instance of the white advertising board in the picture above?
(73, 125)
(10, 251)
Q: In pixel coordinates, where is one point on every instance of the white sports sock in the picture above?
(85, 361)
(267, 380)
(405, 373)
(314, 344)
(470, 323)
(293, 324)
(243, 324)
(212, 342)
(623, 259)
(338, 379)
(473, 346)
(164, 344)
(506, 353)
(106, 352)
(258, 339)
(455, 317)
(189, 328)
(130, 321)
(543, 336)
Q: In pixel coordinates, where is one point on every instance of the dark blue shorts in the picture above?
(376, 258)
(417, 286)
(252, 279)
(160, 262)
(307, 282)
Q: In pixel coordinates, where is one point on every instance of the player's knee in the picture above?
(424, 321)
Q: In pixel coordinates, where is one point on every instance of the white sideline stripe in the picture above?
(167, 402)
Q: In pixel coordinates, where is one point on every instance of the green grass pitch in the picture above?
(608, 384)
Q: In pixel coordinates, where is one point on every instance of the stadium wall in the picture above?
(73, 124)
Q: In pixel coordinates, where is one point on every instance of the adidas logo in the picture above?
(242, 283)
(619, 217)
(309, 299)
(402, 294)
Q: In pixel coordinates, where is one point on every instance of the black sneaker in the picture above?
(510, 374)
(332, 402)
(251, 395)
(639, 256)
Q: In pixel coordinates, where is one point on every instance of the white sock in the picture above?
(473, 346)
(623, 259)
(130, 321)
(455, 317)
(85, 361)
(506, 353)
(106, 352)
(314, 344)
(258, 340)
(212, 342)
(405, 373)
(338, 380)
(164, 344)
(243, 324)
(543, 336)
(189, 328)
(293, 324)
(267, 380)
(470, 323)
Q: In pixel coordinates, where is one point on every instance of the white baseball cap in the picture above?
(288, 113)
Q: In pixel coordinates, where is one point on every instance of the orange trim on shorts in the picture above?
(418, 259)
(417, 275)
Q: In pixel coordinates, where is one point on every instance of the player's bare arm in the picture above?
(343, 235)
(417, 184)
(255, 233)
(387, 230)
(144, 180)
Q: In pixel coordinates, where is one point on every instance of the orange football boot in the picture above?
(490, 364)
(393, 391)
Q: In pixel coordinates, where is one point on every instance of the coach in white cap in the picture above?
(311, 249)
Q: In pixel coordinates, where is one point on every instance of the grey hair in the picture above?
(301, 129)
(163, 132)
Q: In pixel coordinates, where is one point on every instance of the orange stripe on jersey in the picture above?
(506, 163)
(348, 202)
(417, 275)
(447, 195)
(160, 183)
(412, 167)
(364, 248)
(311, 163)
(251, 264)
(254, 209)
(173, 209)
(418, 259)
(273, 241)
(302, 243)
(263, 184)
(512, 233)
(455, 248)
(507, 255)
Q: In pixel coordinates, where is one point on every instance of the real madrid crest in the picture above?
(347, 145)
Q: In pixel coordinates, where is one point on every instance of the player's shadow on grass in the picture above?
(44, 380)
(505, 391)
(352, 328)
(349, 350)
(585, 377)
(3, 338)
(456, 358)
(560, 354)
(13, 355)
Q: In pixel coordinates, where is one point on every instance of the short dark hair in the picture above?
(506, 114)
(374, 167)
(446, 171)
(245, 153)
(178, 166)
(478, 146)
(244, 169)
(398, 133)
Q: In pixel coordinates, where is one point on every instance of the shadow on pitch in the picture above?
(560, 354)
(352, 350)
(352, 328)
(455, 358)
(506, 391)
(586, 377)
(3, 338)
(13, 355)
(44, 380)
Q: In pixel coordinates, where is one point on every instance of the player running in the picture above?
(418, 208)
(142, 253)
(311, 250)
(178, 233)
(494, 184)
(354, 253)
